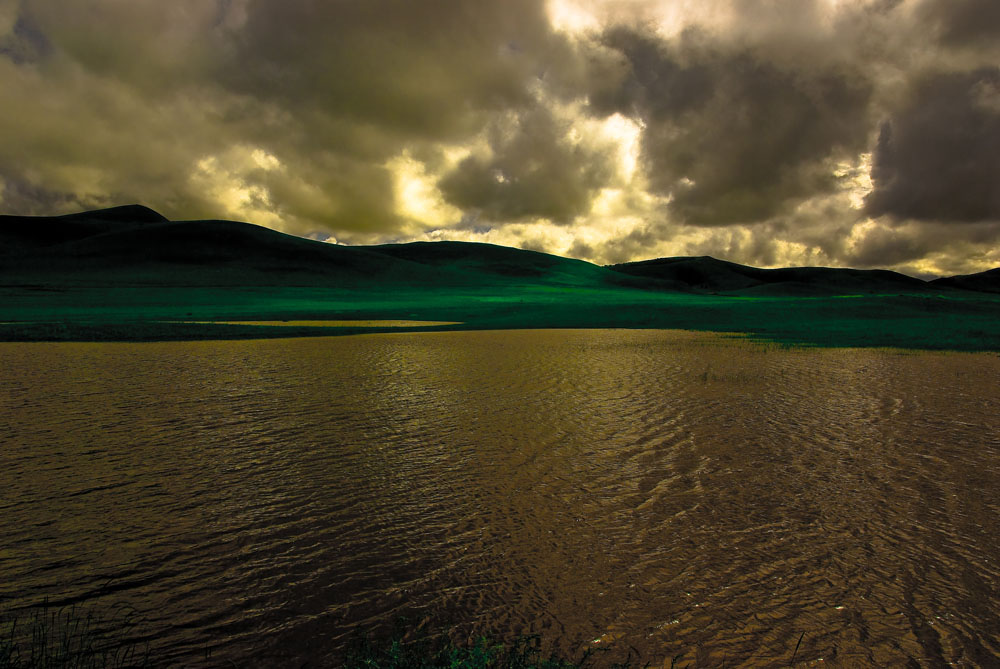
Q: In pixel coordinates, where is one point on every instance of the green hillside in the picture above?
(129, 274)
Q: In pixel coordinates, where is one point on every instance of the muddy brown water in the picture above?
(655, 492)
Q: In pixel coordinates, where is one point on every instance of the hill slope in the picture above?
(129, 274)
(134, 244)
(489, 260)
(986, 282)
(709, 275)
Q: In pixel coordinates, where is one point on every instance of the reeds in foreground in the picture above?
(49, 637)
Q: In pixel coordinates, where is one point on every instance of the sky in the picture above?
(851, 133)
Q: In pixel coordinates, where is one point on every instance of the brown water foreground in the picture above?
(667, 492)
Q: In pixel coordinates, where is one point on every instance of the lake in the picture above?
(657, 492)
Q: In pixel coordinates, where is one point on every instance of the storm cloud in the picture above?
(836, 132)
(938, 156)
(534, 168)
(730, 136)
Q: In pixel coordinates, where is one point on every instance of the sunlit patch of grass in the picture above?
(70, 638)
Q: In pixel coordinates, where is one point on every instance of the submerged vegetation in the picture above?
(482, 653)
(71, 638)
(74, 638)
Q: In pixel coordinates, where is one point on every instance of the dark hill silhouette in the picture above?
(986, 282)
(128, 213)
(19, 233)
(136, 244)
(477, 259)
(129, 274)
(710, 275)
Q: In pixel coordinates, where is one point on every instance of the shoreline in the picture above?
(84, 332)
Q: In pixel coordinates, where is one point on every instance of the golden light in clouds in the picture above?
(625, 133)
(571, 16)
(857, 179)
(418, 198)
(227, 179)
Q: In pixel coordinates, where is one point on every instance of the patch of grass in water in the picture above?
(425, 653)
(70, 638)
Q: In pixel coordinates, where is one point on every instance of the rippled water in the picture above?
(663, 492)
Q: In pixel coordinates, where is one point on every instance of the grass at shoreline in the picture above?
(119, 274)
(72, 637)
(47, 637)
(957, 321)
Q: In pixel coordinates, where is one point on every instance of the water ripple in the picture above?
(663, 492)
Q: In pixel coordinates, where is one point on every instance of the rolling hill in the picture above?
(984, 282)
(709, 275)
(135, 244)
(128, 273)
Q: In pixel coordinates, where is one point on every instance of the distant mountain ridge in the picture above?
(135, 243)
(710, 275)
(985, 282)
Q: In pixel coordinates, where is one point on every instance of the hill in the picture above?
(130, 274)
(20, 234)
(705, 274)
(479, 260)
(136, 244)
(985, 282)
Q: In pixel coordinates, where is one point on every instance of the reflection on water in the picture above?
(667, 492)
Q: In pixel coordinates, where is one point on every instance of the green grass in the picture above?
(70, 638)
(961, 321)
(117, 275)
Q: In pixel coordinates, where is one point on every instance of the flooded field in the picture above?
(658, 492)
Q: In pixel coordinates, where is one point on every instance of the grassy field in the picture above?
(955, 320)
(128, 274)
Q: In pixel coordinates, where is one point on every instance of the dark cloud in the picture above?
(26, 43)
(938, 156)
(428, 69)
(730, 135)
(331, 90)
(962, 246)
(156, 48)
(342, 194)
(633, 246)
(962, 22)
(890, 246)
(29, 199)
(534, 169)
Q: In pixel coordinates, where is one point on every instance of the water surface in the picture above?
(661, 492)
